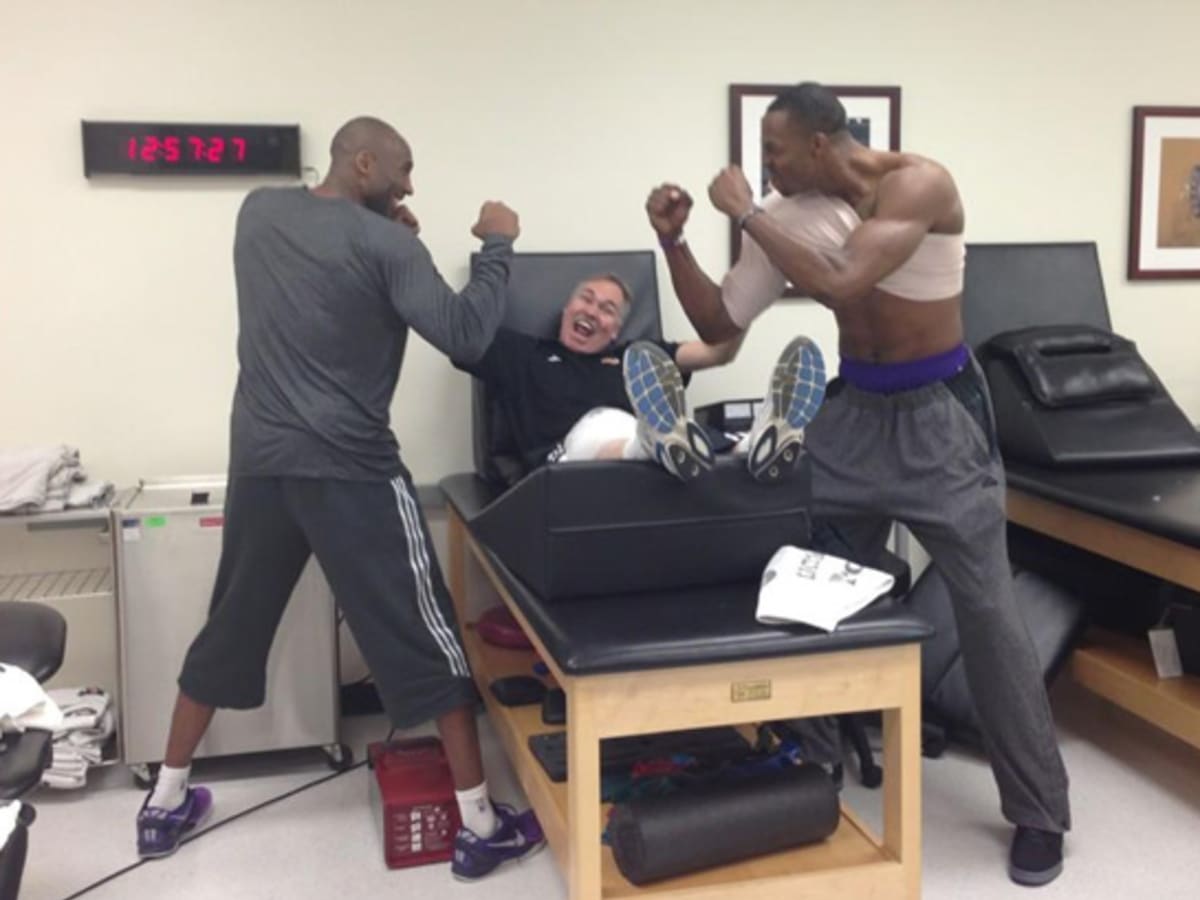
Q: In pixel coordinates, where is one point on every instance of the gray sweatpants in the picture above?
(928, 458)
(374, 547)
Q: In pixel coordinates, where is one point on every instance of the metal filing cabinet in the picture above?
(168, 536)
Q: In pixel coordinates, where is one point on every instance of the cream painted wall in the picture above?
(116, 296)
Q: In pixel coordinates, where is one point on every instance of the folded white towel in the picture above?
(811, 588)
(23, 703)
(91, 737)
(64, 781)
(68, 760)
(70, 473)
(88, 723)
(89, 493)
(26, 475)
(82, 707)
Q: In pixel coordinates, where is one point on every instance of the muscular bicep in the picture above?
(907, 210)
(876, 249)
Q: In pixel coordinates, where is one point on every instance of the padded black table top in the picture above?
(694, 626)
(1161, 500)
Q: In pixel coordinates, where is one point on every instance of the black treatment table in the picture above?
(667, 661)
(1146, 518)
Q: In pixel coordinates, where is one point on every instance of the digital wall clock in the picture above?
(169, 148)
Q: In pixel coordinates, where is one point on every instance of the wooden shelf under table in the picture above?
(1121, 669)
(853, 847)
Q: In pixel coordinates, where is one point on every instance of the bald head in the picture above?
(372, 163)
(363, 133)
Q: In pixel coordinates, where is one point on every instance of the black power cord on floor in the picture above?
(141, 862)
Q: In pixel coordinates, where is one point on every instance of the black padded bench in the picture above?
(660, 661)
(1144, 516)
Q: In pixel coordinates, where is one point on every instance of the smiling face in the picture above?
(385, 173)
(593, 315)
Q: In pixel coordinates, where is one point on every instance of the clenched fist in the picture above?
(404, 215)
(730, 192)
(668, 206)
(496, 218)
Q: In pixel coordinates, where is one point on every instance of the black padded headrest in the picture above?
(1069, 365)
(538, 287)
(1009, 286)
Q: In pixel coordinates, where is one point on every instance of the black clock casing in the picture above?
(179, 148)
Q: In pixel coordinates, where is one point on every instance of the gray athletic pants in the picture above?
(928, 458)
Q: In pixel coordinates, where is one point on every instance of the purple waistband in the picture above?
(891, 378)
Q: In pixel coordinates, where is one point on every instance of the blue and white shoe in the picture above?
(794, 395)
(655, 390)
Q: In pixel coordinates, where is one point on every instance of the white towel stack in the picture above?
(47, 479)
(88, 723)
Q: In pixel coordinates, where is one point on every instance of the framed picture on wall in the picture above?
(1164, 207)
(872, 113)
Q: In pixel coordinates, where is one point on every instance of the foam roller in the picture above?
(712, 825)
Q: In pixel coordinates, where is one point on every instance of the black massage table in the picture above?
(658, 661)
(1147, 517)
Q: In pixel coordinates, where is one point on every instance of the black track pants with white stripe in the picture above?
(374, 547)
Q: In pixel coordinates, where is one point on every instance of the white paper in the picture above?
(812, 588)
(1166, 653)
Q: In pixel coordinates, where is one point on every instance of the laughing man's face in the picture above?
(592, 317)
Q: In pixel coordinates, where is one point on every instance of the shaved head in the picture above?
(363, 133)
(372, 163)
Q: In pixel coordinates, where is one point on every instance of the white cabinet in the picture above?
(168, 546)
(65, 560)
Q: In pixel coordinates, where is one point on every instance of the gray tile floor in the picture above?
(1136, 794)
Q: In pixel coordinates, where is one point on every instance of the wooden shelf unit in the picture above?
(853, 862)
(1121, 669)
(1117, 667)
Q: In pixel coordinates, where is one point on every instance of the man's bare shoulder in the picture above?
(919, 183)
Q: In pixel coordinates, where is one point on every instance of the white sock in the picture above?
(476, 810)
(171, 788)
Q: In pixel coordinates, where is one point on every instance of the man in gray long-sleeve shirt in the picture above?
(329, 283)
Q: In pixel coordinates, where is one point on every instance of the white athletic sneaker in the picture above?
(794, 395)
(655, 390)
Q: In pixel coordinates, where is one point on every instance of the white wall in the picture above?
(116, 297)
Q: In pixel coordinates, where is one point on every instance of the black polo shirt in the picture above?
(543, 388)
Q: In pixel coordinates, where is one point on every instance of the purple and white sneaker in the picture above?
(519, 835)
(159, 831)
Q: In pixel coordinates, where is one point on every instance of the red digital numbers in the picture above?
(214, 150)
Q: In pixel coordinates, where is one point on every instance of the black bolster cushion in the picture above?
(1069, 365)
(712, 825)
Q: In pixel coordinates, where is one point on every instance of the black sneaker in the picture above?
(1036, 856)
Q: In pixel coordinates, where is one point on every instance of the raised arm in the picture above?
(668, 206)
(460, 325)
(693, 356)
